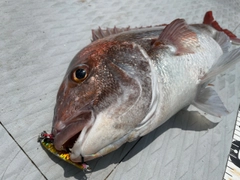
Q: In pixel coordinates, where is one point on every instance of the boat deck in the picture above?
(38, 39)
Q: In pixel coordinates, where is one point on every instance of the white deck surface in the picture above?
(38, 39)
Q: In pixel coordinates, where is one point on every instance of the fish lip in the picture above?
(72, 129)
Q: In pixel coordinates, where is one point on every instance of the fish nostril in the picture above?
(58, 127)
(54, 131)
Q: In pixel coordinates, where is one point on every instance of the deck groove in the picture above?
(22, 150)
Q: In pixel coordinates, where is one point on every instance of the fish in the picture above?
(129, 81)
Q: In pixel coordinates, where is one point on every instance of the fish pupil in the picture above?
(80, 73)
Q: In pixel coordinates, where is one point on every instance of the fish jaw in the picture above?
(76, 155)
(65, 138)
(109, 138)
(90, 148)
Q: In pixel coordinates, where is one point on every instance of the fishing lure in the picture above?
(47, 140)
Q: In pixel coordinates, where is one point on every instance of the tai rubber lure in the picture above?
(46, 141)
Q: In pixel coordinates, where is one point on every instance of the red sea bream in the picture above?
(127, 82)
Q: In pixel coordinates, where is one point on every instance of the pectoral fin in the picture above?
(208, 101)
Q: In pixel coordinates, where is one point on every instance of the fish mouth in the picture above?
(65, 139)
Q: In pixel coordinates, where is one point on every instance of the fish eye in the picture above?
(80, 73)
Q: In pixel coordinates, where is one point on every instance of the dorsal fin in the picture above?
(209, 19)
(178, 34)
(102, 33)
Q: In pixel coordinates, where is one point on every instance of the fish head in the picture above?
(104, 97)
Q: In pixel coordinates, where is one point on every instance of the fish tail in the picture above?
(209, 19)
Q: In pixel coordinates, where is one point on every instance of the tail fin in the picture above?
(209, 19)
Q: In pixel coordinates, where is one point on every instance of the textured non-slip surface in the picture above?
(38, 39)
(14, 163)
